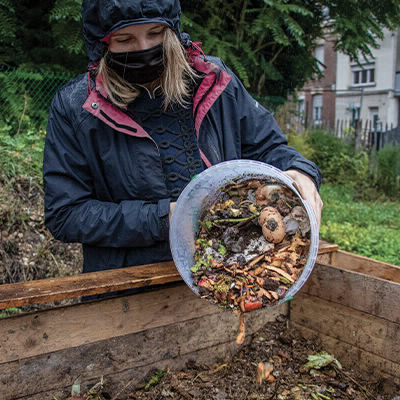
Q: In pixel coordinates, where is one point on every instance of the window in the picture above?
(317, 108)
(363, 76)
(319, 55)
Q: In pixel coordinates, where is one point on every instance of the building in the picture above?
(370, 90)
(317, 98)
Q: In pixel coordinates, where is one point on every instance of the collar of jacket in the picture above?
(211, 87)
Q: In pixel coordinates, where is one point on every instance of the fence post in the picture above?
(357, 134)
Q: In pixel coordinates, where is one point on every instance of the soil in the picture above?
(236, 379)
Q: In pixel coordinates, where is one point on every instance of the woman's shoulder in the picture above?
(74, 89)
(70, 97)
(73, 93)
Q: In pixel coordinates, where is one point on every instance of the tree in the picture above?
(269, 43)
(33, 34)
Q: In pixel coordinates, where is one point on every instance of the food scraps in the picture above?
(264, 372)
(252, 245)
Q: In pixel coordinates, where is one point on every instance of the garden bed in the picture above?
(124, 340)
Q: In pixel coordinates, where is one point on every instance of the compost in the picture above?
(294, 369)
(252, 245)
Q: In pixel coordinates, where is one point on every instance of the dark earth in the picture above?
(282, 347)
(27, 251)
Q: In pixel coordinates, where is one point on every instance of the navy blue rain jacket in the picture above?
(103, 178)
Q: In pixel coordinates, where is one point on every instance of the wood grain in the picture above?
(359, 291)
(368, 266)
(367, 332)
(66, 327)
(54, 289)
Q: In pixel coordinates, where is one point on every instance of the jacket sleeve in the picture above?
(73, 214)
(263, 140)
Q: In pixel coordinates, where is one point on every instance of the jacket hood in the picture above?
(102, 17)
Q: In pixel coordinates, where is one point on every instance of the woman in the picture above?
(124, 139)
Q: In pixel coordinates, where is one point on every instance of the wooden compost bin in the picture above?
(350, 302)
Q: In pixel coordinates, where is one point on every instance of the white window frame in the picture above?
(319, 54)
(317, 107)
(370, 73)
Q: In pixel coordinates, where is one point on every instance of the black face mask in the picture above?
(141, 66)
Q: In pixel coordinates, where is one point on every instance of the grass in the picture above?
(370, 229)
(21, 155)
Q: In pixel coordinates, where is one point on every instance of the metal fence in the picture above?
(25, 96)
(368, 134)
(365, 134)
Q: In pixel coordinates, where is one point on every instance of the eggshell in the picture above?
(272, 224)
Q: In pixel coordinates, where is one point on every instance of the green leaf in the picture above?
(320, 360)
(155, 379)
(222, 250)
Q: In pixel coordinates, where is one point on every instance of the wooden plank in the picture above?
(60, 328)
(65, 327)
(361, 292)
(353, 357)
(127, 379)
(368, 266)
(325, 247)
(204, 338)
(327, 252)
(55, 289)
(372, 334)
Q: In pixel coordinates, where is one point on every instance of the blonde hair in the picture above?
(175, 82)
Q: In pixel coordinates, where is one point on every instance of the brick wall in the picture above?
(323, 86)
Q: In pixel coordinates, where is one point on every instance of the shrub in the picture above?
(21, 155)
(299, 142)
(337, 160)
(388, 170)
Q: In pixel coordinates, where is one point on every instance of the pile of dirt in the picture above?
(27, 249)
(287, 353)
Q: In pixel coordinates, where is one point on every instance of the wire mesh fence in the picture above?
(25, 97)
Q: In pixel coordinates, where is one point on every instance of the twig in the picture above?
(366, 391)
(234, 219)
(214, 371)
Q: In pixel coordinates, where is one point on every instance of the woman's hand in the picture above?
(171, 208)
(308, 190)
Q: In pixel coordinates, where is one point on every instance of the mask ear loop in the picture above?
(126, 60)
